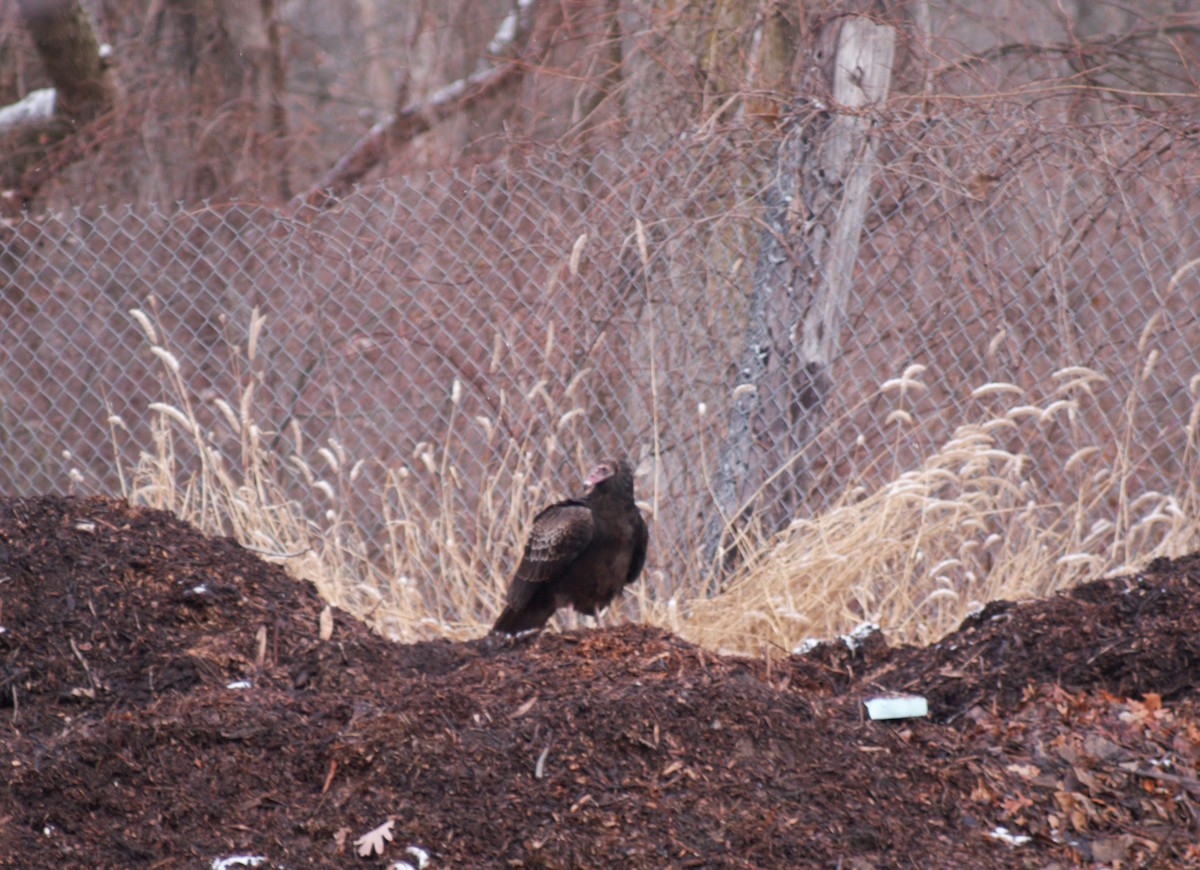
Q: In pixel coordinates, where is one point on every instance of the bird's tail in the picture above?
(515, 620)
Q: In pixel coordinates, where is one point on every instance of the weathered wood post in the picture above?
(813, 213)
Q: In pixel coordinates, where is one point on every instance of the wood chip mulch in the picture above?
(166, 700)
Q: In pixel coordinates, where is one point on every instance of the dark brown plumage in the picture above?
(583, 552)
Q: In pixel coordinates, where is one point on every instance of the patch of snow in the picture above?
(240, 684)
(34, 106)
(505, 34)
(855, 638)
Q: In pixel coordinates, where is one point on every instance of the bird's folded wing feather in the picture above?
(560, 533)
(641, 540)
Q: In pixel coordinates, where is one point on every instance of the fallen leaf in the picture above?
(1111, 850)
(375, 841)
(1026, 771)
(523, 709)
(1078, 809)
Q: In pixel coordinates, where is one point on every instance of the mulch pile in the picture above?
(167, 699)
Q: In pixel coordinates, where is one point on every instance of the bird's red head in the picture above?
(602, 471)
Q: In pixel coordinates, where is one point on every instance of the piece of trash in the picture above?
(418, 854)
(237, 861)
(1004, 835)
(240, 684)
(901, 707)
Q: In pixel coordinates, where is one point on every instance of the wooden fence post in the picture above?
(813, 214)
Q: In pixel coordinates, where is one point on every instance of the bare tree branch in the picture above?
(404, 125)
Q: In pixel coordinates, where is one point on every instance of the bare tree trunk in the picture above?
(280, 144)
(376, 81)
(29, 137)
(207, 119)
(70, 52)
(813, 217)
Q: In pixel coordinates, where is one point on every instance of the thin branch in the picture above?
(1091, 45)
(401, 127)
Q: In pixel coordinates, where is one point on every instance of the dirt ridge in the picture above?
(1070, 722)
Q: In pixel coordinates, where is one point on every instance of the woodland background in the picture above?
(366, 283)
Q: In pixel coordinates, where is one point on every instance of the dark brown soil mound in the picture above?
(166, 700)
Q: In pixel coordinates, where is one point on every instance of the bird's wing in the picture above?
(559, 534)
(641, 539)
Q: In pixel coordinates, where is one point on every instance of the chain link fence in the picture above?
(563, 304)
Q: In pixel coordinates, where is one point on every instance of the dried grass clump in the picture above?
(999, 510)
(235, 485)
(447, 542)
(977, 521)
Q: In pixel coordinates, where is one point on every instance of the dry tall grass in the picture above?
(914, 555)
(969, 526)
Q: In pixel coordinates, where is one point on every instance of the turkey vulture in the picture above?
(582, 552)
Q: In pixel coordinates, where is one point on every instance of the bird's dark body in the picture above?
(582, 552)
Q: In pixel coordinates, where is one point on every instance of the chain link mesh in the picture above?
(559, 304)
